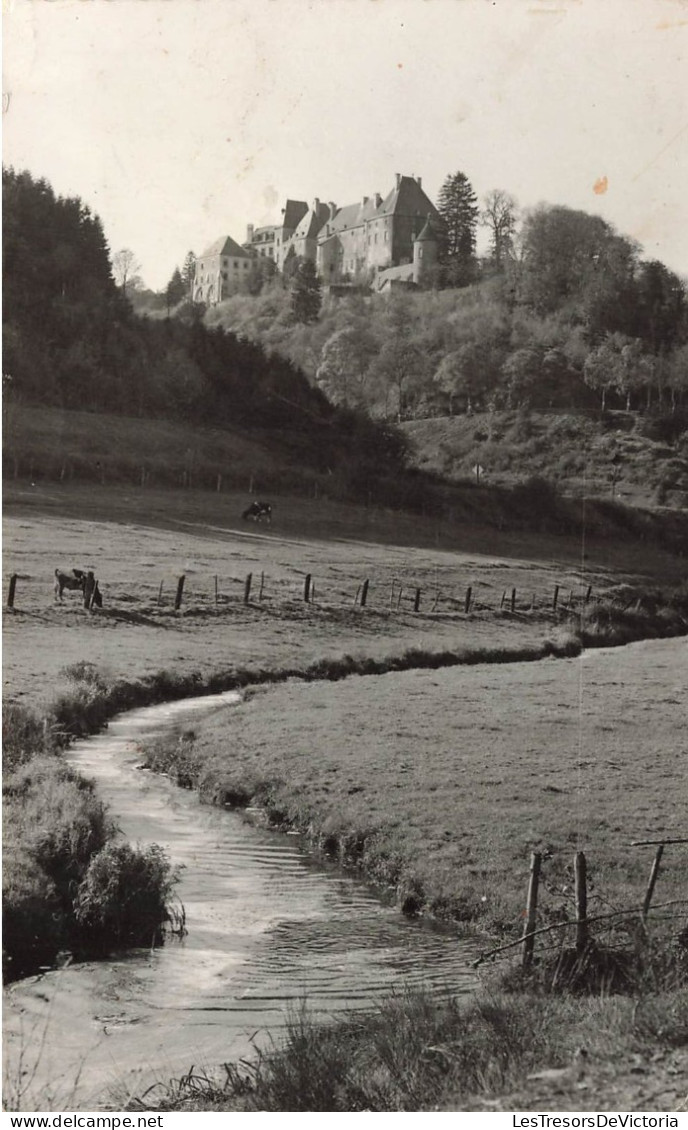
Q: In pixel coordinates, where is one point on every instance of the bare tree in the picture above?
(124, 265)
(499, 215)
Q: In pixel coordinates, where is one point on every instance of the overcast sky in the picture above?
(179, 121)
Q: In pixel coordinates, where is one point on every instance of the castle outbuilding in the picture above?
(219, 270)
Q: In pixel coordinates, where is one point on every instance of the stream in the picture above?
(268, 929)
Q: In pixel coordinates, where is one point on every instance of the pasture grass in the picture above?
(439, 783)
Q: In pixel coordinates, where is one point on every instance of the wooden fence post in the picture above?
(531, 908)
(588, 594)
(10, 594)
(556, 598)
(391, 594)
(307, 588)
(364, 592)
(262, 582)
(247, 587)
(216, 588)
(467, 602)
(160, 592)
(436, 600)
(501, 603)
(651, 882)
(581, 893)
(416, 602)
(218, 485)
(513, 600)
(401, 593)
(180, 590)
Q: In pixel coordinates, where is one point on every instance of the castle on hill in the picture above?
(390, 241)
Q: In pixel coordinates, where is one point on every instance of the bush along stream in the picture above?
(68, 886)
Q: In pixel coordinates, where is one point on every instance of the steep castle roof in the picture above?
(225, 245)
(407, 199)
(293, 213)
(313, 221)
(428, 233)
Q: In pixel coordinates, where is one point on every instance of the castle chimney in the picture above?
(364, 201)
(249, 233)
(333, 208)
(316, 204)
(378, 200)
(419, 182)
(398, 176)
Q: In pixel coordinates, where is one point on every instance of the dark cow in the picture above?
(258, 511)
(74, 581)
(79, 581)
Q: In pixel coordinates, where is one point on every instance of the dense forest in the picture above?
(72, 340)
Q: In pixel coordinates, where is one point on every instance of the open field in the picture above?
(137, 539)
(441, 783)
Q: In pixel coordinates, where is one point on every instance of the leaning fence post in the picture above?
(513, 600)
(216, 588)
(581, 893)
(160, 593)
(416, 602)
(467, 602)
(588, 594)
(556, 598)
(391, 595)
(501, 603)
(262, 582)
(401, 593)
(307, 588)
(180, 590)
(10, 594)
(531, 908)
(247, 587)
(364, 592)
(651, 882)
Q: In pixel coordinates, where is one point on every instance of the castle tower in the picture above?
(424, 253)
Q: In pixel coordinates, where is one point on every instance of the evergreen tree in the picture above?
(189, 272)
(175, 290)
(457, 205)
(306, 298)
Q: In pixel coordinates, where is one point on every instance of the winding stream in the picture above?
(267, 929)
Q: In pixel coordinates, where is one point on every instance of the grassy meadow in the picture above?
(436, 783)
(440, 783)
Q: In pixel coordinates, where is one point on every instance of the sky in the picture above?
(178, 121)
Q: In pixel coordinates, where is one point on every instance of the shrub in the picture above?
(124, 899)
(23, 736)
(34, 925)
(56, 818)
